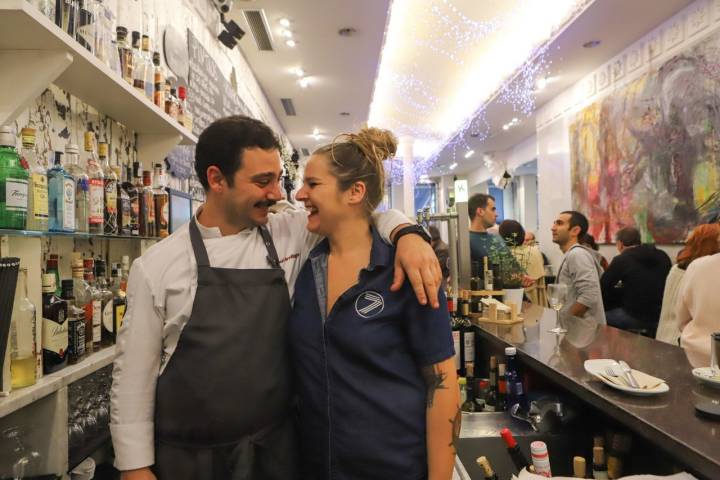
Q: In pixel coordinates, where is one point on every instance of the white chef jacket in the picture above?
(160, 295)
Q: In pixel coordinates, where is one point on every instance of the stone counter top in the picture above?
(667, 420)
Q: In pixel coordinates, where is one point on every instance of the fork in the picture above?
(610, 371)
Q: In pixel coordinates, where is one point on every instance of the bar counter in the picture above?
(667, 420)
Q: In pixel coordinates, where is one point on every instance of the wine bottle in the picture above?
(518, 457)
(513, 380)
(540, 459)
(469, 404)
(491, 400)
(501, 404)
(467, 333)
(475, 276)
(579, 467)
(599, 468)
(488, 472)
(488, 275)
(455, 325)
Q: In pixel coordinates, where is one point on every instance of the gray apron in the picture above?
(222, 402)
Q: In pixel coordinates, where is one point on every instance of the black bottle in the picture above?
(54, 327)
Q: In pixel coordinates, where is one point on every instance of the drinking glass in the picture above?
(557, 293)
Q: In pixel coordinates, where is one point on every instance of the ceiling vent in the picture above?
(288, 106)
(259, 28)
(305, 152)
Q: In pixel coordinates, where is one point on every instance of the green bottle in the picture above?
(13, 183)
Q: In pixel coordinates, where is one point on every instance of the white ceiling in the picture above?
(616, 23)
(341, 69)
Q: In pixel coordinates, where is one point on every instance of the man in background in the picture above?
(442, 251)
(579, 270)
(633, 284)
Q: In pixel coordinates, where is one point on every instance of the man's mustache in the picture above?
(265, 204)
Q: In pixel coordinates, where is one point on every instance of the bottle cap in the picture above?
(89, 141)
(579, 467)
(7, 137)
(484, 384)
(135, 36)
(462, 381)
(48, 282)
(156, 58)
(614, 467)
(485, 466)
(470, 369)
(508, 438)
(538, 449)
(182, 93)
(28, 136)
(510, 351)
(71, 148)
(121, 32)
(493, 362)
(103, 149)
(598, 456)
(501, 369)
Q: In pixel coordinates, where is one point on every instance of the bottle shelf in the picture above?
(33, 40)
(79, 235)
(53, 382)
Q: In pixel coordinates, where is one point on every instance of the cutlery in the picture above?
(627, 371)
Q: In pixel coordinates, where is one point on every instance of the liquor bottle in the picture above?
(97, 310)
(540, 459)
(491, 401)
(467, 333)
(457, 338)
(133, 202)
(599, 467)
(158, 82)
(87, 24)
(469, 404)
(162, 202)
(83, 294)
(501, 404)
(147, 207)
(96, 187)
(51, 267)
(488, 472)
(171, 102)
(475, 276)
(82, 190)
(107, 335)
(579, 467)
(66, 15)
(148, 70)
(23, 337)
(126, 216)
(518, 457)
(46, 7)
(138, 64)
(61, 197)
(54, 327)
(125, 272)
(13, 183)
(119, 300)
(497, 276)
(513, 379)
(75, 324)
(487, 275)
(111, 181)
(184, 116)
(126, 55)
(37, 212)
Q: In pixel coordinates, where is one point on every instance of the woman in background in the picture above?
(702, 241)
(375, 371)
(529, 257)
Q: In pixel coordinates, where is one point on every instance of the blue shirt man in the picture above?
(362, 396)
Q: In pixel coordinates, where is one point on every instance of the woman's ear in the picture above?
(356, 193)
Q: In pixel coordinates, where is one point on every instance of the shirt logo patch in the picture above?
(368, 304)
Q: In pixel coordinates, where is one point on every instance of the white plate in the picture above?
(597, 367)
(705, 375)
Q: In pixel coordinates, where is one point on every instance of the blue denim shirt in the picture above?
(362, 398)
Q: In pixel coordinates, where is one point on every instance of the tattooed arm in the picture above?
(443, 418)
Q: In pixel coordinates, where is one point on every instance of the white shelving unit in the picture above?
(35, 53)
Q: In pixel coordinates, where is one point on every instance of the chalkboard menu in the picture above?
(181, 160)
(210, 94)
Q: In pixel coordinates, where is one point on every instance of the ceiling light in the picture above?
(290, 43)
(286, 33)
(514, 121)
(542, 83)
(469, 153)
(316, 132)
(453, 166)
(284, 22)
(424, 178)
(591, 44)
(506, 127)
(299, 72)
(304, 82)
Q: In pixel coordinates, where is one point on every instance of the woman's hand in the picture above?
(139, 474)
(416, 259)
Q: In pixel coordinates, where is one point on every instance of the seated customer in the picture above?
(374, 371)
(633, 284)
(701, 242)
(529, 258)
(698, 310)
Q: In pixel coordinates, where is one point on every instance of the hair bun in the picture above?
(376, 143)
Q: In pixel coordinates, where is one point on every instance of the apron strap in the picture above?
(272, 256)
(201, 256)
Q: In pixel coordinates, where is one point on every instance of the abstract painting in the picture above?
(648, 154)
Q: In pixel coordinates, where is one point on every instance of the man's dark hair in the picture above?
(512, 232)
(628, 236)
(225, 140)
(434, 233)
(577, 219)
(479, 200)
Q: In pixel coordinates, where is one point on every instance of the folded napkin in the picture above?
(646, 382)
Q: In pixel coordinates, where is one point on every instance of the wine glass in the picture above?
(557, 293)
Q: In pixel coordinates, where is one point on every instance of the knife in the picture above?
(628, 374)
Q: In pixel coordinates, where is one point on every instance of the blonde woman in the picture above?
(529, 257)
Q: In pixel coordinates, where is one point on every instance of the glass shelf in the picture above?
(79, 235)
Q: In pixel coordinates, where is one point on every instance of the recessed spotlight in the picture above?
(304, 82)
(469, 153)
(347, 32)
(542, 83)
(344, 114)
(290, 43)
(453, 166)
(506, 127)
(316, 131)
(514, 121)
(286, 33)
(284, 22)
(591, 44)
(299, 72)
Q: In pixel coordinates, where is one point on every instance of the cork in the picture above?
(579, 467)
(485, 465)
